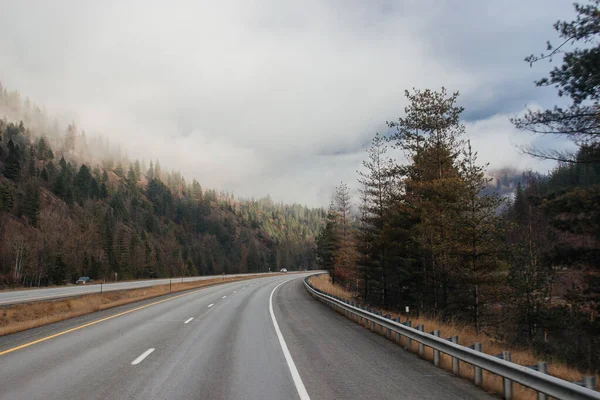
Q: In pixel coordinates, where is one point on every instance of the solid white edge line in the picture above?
(189, 320)
(142, 356)
(288, 357)
(210, 305)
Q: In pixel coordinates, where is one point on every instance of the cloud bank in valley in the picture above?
(275, 97)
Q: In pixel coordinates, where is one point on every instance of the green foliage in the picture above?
(44, 175)
(12, 165)
(160, 196)
(327, 243)
(31, 203)
(6, 198)
(83, 184)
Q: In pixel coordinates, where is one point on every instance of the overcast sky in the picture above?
(275, 96)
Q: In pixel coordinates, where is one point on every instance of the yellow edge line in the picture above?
(93, 323)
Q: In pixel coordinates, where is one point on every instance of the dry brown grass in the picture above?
(467, 336)
(23, 316)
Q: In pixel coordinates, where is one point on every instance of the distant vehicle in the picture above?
(83, 280)
(283, 270)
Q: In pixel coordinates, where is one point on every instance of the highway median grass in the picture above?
(467, 336)
(22, 316)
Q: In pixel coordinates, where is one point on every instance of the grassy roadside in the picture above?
(467, 336)
(19, 317)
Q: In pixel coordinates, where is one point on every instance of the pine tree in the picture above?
(119, 170)
(44, 175)
(377, 180)
(12, 166)
(345, 255)
(480, 232)
(131, 178)
(577, 78)
(44, 152)
(6, 198)
(157, 171)
(430, 135)
(328, 242)
(103, 193)
(530, 240)
(196, 190)
(94, 189)
(31, 204)
(150, 173)
(32, 169)
(70, 139)
(82, 184)
(137, 168)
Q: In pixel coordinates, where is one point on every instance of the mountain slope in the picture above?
(69, 207)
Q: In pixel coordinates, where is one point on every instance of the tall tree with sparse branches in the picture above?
(578, 78)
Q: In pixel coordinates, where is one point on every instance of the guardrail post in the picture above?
(101, 292)
(478, 372)
(589, 382)
(170, 284)
(542, 367)
(507, 383)
(408, 341)
(455, 361)
(398, 336)
(421, 328)
(436, 353)
(388, 332)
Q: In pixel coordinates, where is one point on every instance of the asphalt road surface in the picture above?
(27, 295)
(258, 339)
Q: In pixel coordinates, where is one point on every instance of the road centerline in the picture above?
(210, 305)
(142, 356)
(189, 320)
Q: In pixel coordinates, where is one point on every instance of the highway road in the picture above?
(27, 295)
(258, 339)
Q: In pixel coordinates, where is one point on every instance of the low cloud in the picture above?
(269, 96)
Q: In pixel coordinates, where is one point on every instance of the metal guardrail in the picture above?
(538, 381)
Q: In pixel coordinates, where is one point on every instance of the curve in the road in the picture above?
(229, 350)
(288, 357)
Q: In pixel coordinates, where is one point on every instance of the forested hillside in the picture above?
(429, 235)
(72, 205)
